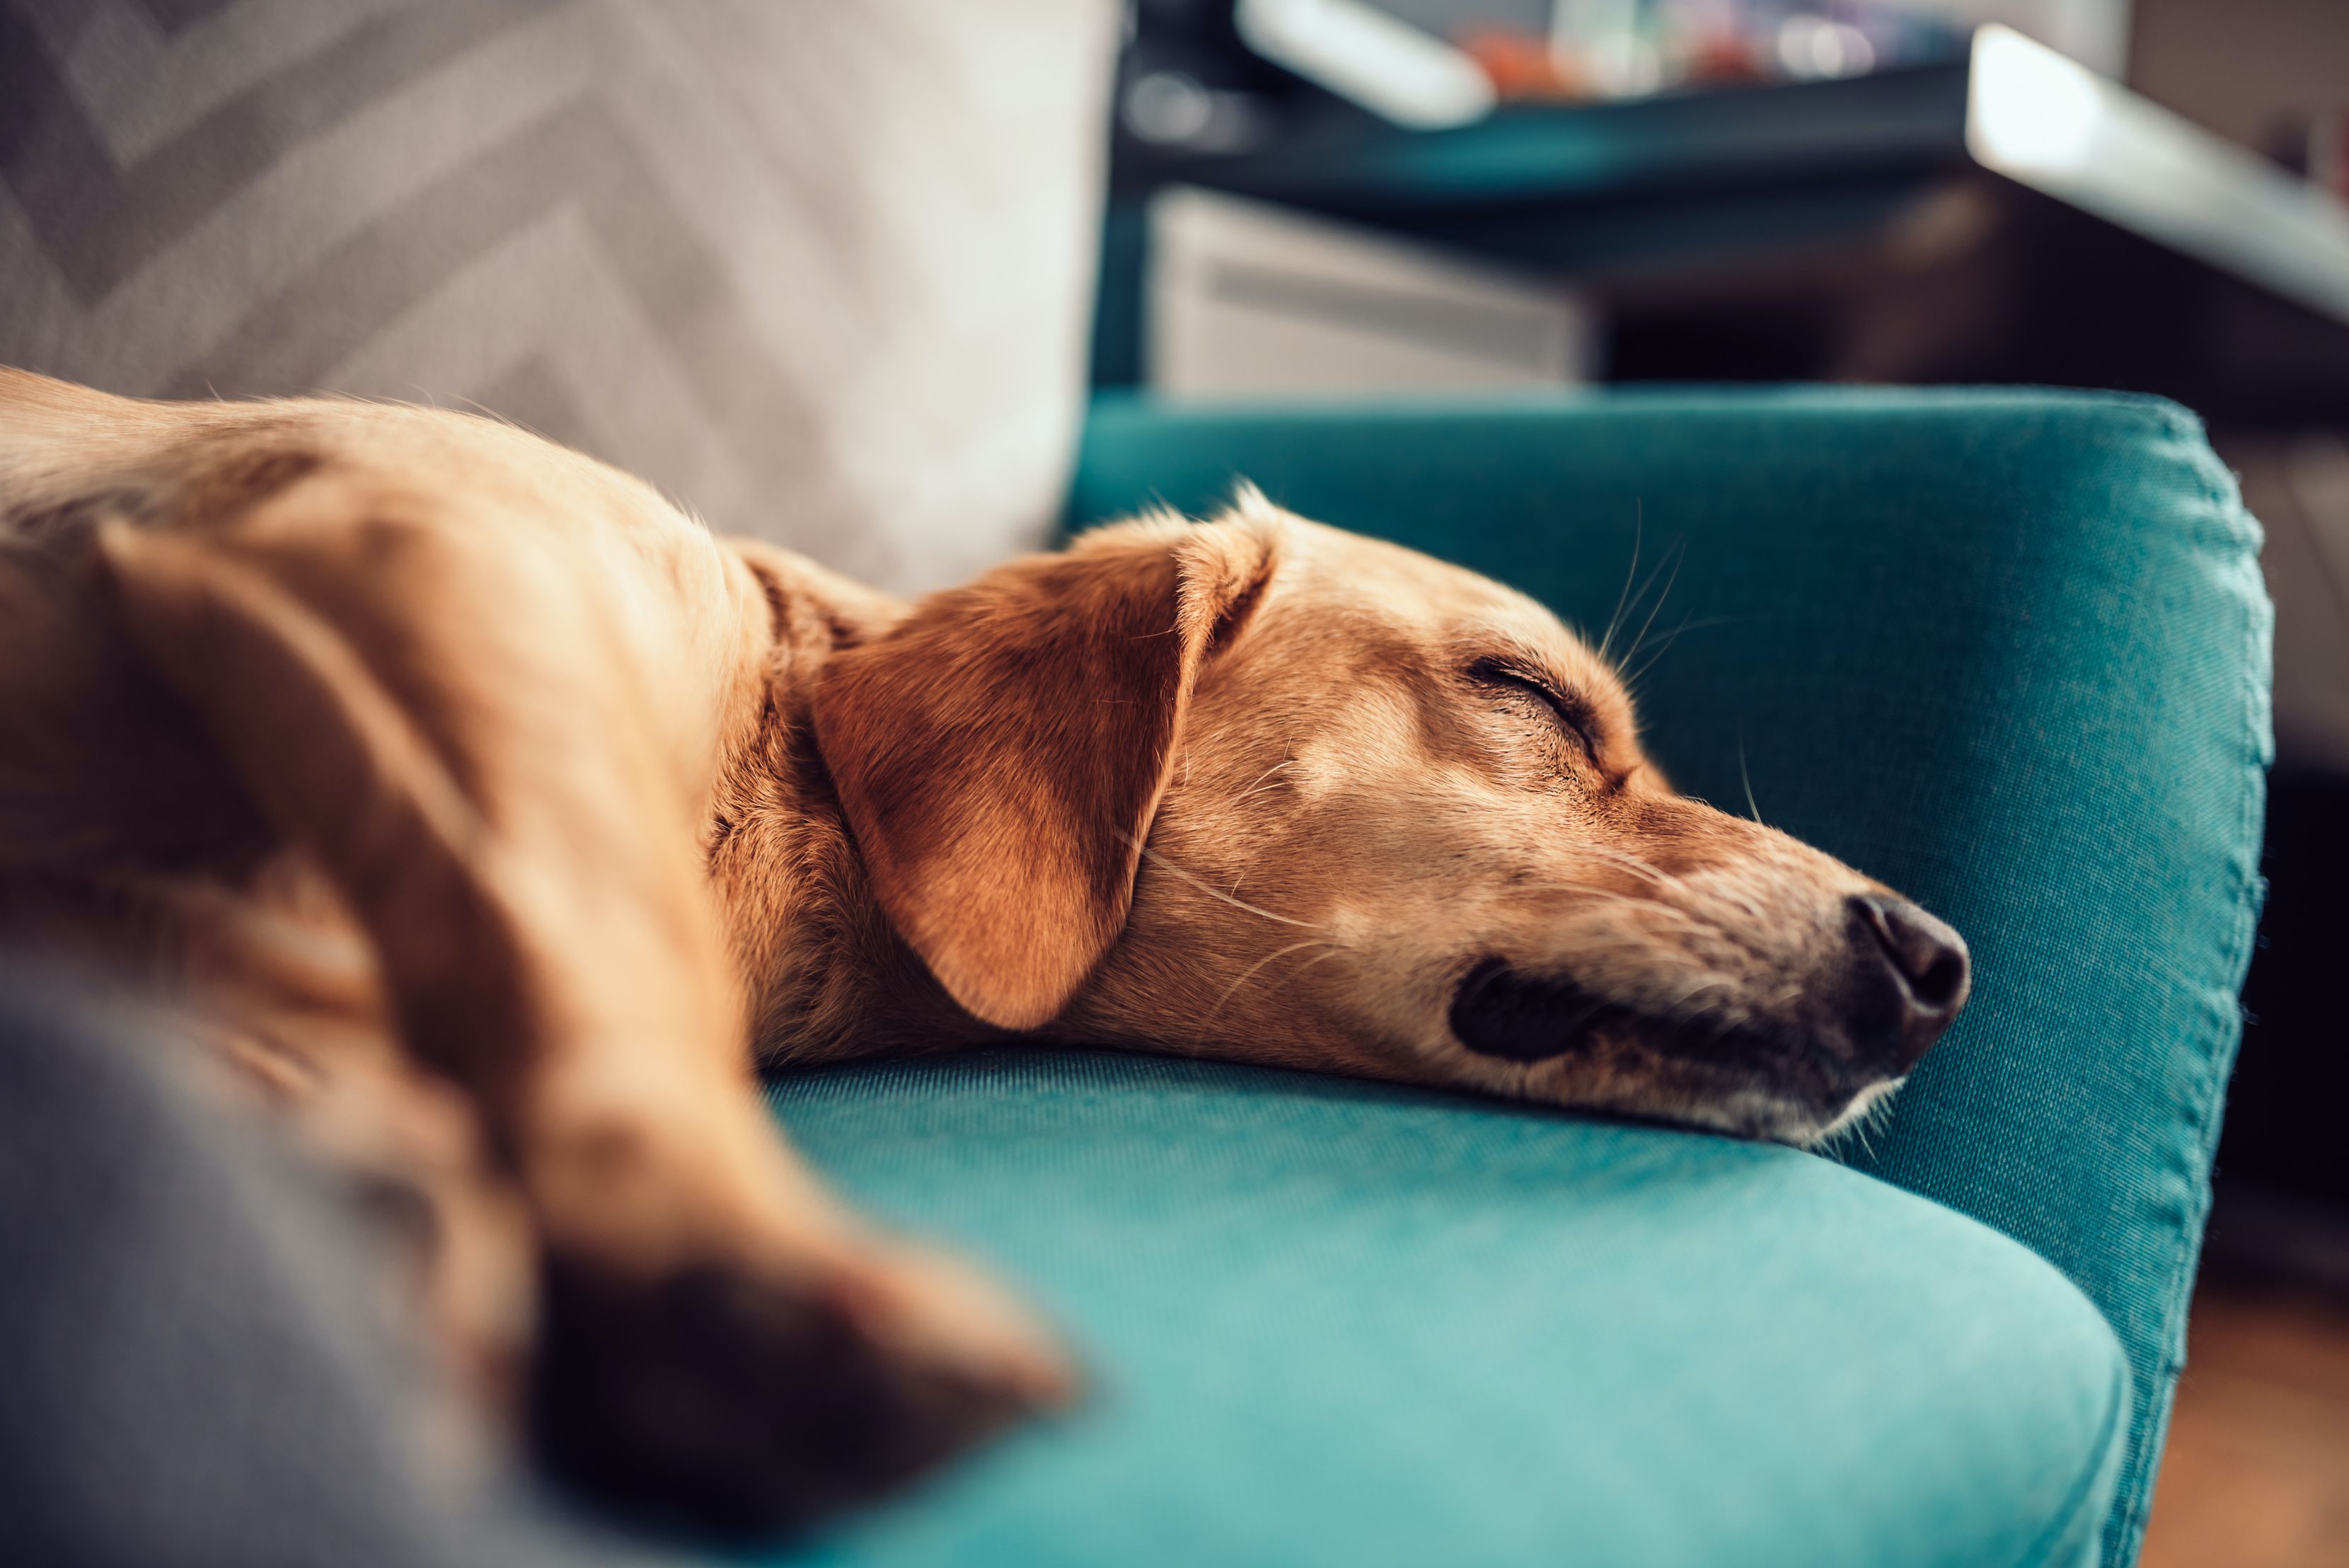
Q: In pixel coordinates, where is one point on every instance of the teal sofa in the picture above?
(2007, 650)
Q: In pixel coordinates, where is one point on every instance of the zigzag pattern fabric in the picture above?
(820, 271)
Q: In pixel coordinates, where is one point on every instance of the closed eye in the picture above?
(1574, 716)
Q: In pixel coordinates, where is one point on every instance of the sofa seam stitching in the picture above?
(2132, 1499)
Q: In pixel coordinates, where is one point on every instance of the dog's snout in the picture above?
(1926, 962)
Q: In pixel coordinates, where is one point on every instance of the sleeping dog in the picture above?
(497, 821)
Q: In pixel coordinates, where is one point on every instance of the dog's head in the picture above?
(1263, 790)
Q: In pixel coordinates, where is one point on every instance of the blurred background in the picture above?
(1378, 197)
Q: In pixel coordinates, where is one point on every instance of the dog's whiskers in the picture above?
(1836, 1140)
(1743, 903)
(1675, 558)
(1211, 890)
(1642, 936)
(1876, 1118)
(1858, 1131)
(1258, 787)
(1623, 597)
(1632, 680)
(1880, 1114)
(1630, 863)
(1335, 948)
(1254, 969)
(1742, 777)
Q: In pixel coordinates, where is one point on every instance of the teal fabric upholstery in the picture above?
(2006, 650)
(1334, 1323)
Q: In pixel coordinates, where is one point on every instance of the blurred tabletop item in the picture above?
(1863, 193)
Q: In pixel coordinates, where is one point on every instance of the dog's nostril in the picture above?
(1928, 957)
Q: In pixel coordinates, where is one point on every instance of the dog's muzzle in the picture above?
(1901, 978)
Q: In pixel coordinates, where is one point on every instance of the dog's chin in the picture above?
(1861, 1106)
(1756, 1112)
(1579, 1050)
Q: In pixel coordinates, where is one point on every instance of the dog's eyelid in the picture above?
(1579, 719)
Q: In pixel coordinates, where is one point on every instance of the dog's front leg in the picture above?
(454, 730)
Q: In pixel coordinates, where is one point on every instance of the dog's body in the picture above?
(500, 818)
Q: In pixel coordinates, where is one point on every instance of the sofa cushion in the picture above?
(1333, 1322)
(820, 271)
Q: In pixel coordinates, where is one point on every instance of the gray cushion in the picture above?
(819, 271)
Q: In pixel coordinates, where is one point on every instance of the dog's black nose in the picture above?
(1927, 964)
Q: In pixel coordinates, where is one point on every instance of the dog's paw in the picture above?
(724, 1399)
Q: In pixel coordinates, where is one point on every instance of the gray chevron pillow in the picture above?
(818, 268)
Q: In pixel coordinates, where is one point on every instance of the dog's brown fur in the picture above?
(499, 818)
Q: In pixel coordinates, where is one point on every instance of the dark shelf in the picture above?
(2005, 217)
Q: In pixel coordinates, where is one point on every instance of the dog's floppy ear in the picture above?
(1001, 751)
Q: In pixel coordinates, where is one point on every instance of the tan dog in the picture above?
(500, 819)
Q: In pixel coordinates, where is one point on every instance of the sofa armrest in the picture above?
(2005, 649)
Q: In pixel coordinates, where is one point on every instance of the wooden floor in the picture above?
(2257, 1474)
